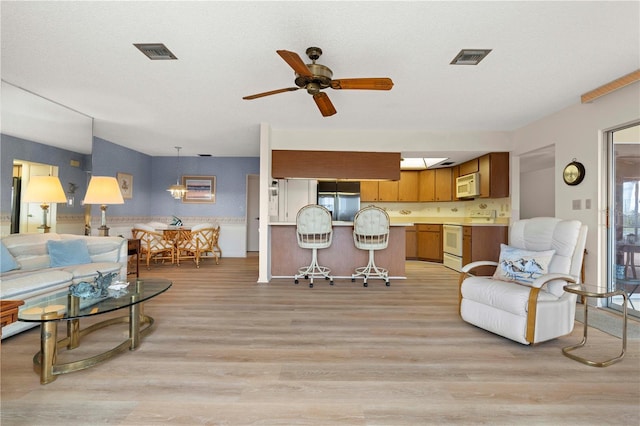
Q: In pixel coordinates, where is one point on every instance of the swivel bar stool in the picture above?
(371, 232)
(314, 231)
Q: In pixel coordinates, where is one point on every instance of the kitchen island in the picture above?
(342, 257)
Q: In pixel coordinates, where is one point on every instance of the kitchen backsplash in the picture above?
(446, 210)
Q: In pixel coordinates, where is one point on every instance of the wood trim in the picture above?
(611, 86)
(335, 165)
(531, 314)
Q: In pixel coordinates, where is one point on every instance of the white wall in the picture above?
(577, 132)
(389, 141)
(537, 193)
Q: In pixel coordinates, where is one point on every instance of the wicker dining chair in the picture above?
(203, 240)
(153, 245)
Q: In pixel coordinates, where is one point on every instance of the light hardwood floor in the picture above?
(227, 351)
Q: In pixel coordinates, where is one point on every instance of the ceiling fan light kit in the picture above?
(316, 77)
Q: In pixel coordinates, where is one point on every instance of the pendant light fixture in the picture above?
(178, 190)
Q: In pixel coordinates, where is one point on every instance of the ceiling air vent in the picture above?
(470, 56)
(155, 51)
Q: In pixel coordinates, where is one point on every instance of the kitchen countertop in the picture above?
(463, 221)
(340, 223)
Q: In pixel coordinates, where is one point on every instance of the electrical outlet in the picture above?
(577, 204)
(587, 203)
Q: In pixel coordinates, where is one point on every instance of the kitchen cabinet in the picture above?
(408, 186)
(468, 167)
(436, 185)
(388, 190)
(427, 185)
(369, 190)
(429, 242)
(379, 190)
(482, 243)
(494, 175)
(411, 239)
(444, 184)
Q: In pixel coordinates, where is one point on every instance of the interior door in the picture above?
(253, 212)
(624, 219)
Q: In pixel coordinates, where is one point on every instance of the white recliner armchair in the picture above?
(525, 299)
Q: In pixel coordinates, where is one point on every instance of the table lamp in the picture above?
(103, 190)
(45, 190)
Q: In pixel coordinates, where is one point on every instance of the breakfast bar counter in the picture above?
(342, 257)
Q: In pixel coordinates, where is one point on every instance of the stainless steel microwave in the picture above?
(468, 186)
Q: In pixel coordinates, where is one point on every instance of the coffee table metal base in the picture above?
(44, 362)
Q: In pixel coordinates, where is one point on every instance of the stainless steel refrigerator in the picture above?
(342, 199)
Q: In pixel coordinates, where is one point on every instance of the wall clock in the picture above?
(573, 173)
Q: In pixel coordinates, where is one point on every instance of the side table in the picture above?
(585, 291)
(133, 249)
(9, 312)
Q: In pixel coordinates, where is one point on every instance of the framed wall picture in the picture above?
(125, 181)
(200, 189)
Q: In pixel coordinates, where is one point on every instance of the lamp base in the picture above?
(44, 229)
(103, 231)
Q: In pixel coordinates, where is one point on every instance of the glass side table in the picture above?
(586, 290)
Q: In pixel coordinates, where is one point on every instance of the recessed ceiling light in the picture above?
(470, 56)
(419, 163)
(155, 51)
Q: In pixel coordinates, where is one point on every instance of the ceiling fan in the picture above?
(314, 77)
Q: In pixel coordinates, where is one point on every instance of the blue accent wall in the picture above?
(151, 177)
(108, 159)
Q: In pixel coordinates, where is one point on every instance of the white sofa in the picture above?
(33, 274)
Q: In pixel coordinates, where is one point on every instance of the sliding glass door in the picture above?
(624, 219)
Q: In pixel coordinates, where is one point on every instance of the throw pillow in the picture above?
(68, 252)
(7, 261)
(522, 266)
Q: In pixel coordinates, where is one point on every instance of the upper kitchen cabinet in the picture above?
(388, 190)
(468, 167)
(369, 190)
(435, 185)
(494, 175)
(383, 190)
(408, 186)
(444, 184)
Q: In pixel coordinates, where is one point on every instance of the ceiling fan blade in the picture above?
(324, 104)
(362, 83)
(273, 92)
(294, 61)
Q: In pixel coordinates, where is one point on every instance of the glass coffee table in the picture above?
(49, 310)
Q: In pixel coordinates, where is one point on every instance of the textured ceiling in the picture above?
(81, 55)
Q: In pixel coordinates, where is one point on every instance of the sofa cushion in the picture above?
(7, 261)
(68, 252)
(522, 266)
(32, 283)
(88, 272)
(501, 295)
(30, 250)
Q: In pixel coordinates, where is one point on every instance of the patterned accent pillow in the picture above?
(522, 266)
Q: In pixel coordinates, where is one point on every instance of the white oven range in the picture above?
(452, 246)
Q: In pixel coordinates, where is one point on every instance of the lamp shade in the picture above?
(44, 189)
(103, 190)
